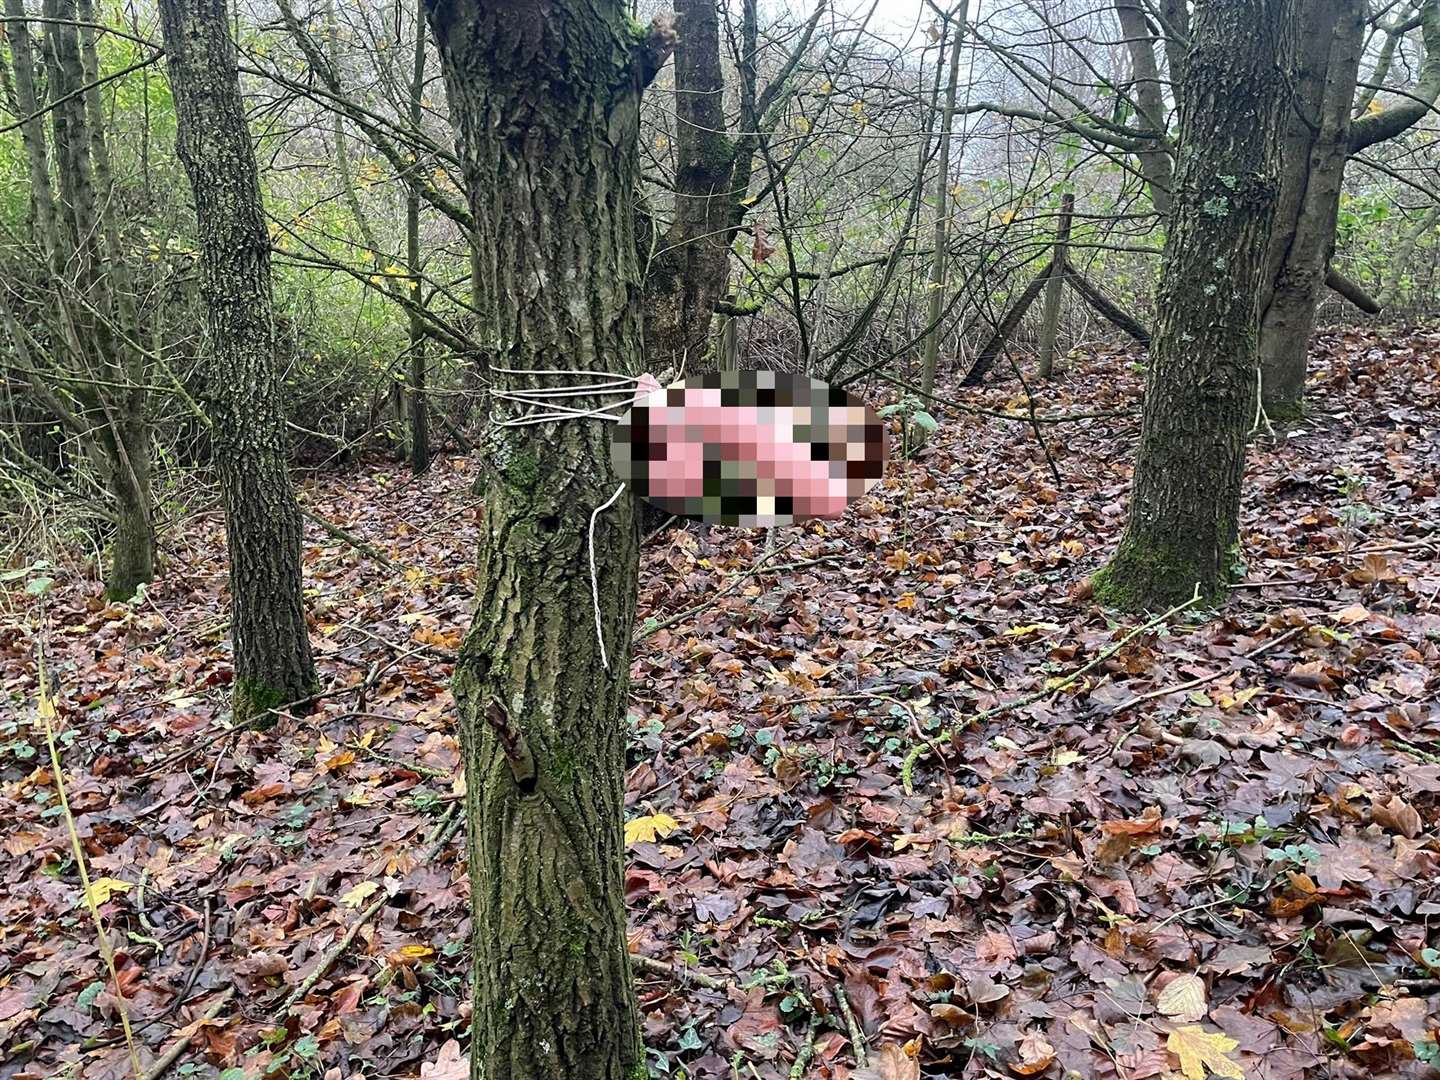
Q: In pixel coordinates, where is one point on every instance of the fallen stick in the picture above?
(346, 537)
(807, 1051)
(170, 1056)
(1051, 687)
(448, 824)
(730, 586)
(1166, 691)
(857, 1037)
(660, 967)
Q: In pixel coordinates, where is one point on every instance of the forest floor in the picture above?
(1214, 853)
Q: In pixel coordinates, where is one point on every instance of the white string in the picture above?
(545, 398)
(541, 405)
(594, 581)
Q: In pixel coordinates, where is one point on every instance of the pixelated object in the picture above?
(750, 448)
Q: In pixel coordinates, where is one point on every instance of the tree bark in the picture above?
(940, 256)
(1183, 526)
(1108, 309)
(1313, 168)
(273, 663)
(990, 351)
(1156, 165)
(690, 268)
(545, 99)
(1055, 287)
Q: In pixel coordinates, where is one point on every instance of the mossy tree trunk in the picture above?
(1183, 527)
(545, 99)
(273, 663)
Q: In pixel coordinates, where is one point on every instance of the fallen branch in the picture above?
(449, 823)
(1166, 691)
(346, 537)
(907, 770)
(857, 1037)
(735, 582)
(172, 1055)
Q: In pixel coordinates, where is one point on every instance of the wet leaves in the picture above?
(1246, 881)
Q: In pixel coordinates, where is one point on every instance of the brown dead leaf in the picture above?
(891, 1063)
(1397, 815)
(450, 1065)
(1183, 999)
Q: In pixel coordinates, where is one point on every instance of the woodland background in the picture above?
(901, 799)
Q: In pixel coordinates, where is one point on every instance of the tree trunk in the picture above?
(273, 663)
(1156, 166)
(690, 269)
(1183, 527)
(940, 255)
(1055, 288)
(86, 250)
(419, 408)
(540, 711)
(1316, 146)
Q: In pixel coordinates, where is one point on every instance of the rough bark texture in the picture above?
(545, 100)
(1184, 511)
(1317, 135)
(990, 351)
(689, 268)
(273, 663)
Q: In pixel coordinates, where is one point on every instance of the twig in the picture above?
(48, 716)
(857, 1037)
(165, 1060)
(1051, 687)
(807, 1051)
(1166, 691)
(370, 551)
(449, 823)
(685, 974)
(734, 583)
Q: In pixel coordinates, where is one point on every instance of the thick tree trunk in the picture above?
(540, 712)
(273, 663)
(1313, 168)
(1183, 527)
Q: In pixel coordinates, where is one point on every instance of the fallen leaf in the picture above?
(450, 1065)
(1203, 1053)
(649, 829)
(891, 1063)
(102, 889)
(1183, 998)
(1036, 1054)
(359, 894)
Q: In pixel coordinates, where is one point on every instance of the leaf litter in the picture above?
(1215, 854)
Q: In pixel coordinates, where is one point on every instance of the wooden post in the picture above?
(1055, 287)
